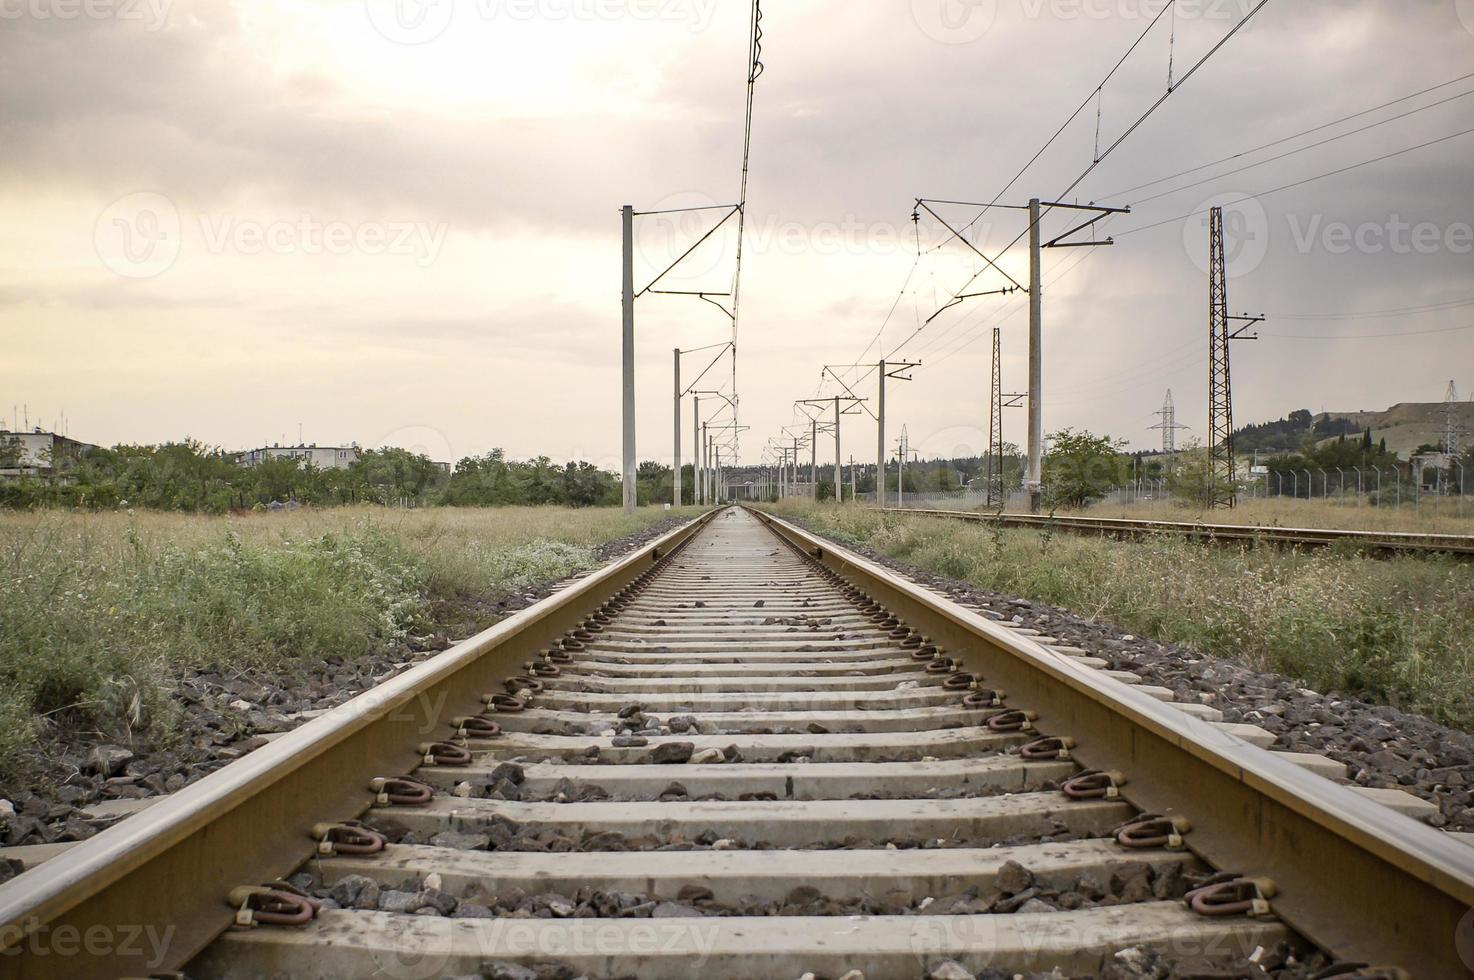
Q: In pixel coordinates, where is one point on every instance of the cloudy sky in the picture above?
(396, 222)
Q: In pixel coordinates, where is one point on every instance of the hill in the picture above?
(1406, 425)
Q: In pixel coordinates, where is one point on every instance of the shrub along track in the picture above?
(744, 752)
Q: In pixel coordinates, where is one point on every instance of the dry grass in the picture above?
(100, 612)
(1397, 631)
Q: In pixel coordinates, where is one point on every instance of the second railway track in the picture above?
(744, 752)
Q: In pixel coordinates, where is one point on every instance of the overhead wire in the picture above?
(1302, 149)
(1238, 26)
(1285, 139)
(1258, 195)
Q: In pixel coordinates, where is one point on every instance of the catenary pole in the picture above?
(1036, 362)
(627, 351)
(838, 466)
(676, 470)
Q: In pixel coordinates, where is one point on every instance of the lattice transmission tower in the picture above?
(1453, 428)
(1221, 484)
(1220, 386)
(997, 402)
(1169, 425)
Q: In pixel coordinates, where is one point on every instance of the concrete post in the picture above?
(880, 442)
(627, 351)
(838, 468)
(676, 474)
(1036, 363)
(795, 466)
(696, 485)
(814, 457)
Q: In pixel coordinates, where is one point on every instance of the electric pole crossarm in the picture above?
(732, 209)
(854, 398)
(1059, 241)
(725, 346)
(975, 250)
(699, 294)
(1247, 321)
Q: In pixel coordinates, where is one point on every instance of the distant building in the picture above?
(1429, 468)
(320, 457)
(36, 453)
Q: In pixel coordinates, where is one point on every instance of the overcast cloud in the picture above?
(397, 220)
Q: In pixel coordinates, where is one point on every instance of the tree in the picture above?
(1192, 482)
(1081, 468)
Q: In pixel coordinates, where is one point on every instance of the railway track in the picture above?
(1379, 542)
(744, 752)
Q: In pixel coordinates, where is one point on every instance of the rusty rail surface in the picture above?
(1391, 542)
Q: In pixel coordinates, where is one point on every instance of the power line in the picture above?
(1367, 336)
(1307, 180)
(1170, 5)
(754, 72)
(1122, 138)
(1374, 314)
(1302, 149)
(1307, 132)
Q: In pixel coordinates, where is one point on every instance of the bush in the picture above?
(1397, 631)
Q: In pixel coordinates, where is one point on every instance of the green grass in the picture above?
(101, 613)
(1397, 631)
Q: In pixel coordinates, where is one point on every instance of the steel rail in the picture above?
(166, 872)
(1461, 545)
(1359, 880)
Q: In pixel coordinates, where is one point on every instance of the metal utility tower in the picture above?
(903, 451)
(1220, 383)
(997, 402)
(1453, 431)
(1169, 426)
